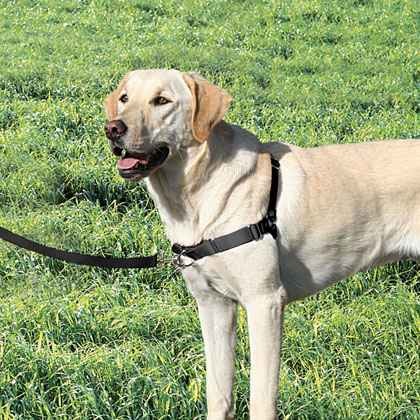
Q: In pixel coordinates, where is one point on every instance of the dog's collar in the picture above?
(241, 236)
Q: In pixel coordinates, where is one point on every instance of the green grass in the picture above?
(80, 343)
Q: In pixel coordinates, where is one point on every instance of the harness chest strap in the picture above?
(241, 236)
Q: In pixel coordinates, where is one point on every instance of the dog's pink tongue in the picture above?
(130, 163)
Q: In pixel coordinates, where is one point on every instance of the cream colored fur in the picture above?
(341, 209)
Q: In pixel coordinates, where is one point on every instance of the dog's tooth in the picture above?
(123, 153)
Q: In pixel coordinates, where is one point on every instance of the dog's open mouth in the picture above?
(135, 165)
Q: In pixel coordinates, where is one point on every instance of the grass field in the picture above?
(80, 343)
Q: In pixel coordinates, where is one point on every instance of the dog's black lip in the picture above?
(156, 159)
(117, 151)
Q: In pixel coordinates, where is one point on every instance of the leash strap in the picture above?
(242, 236)
(75, 258)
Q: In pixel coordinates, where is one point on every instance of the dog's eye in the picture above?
(160, 100)
(124, 98)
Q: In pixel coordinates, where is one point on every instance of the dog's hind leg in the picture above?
(265, 318)
(218, 324)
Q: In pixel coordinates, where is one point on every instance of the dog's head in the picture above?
(155, 113)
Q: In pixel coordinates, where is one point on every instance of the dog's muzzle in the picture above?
(137, 165)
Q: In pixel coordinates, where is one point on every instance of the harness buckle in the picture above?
(271, 216)
(266, 225)
(272, 228)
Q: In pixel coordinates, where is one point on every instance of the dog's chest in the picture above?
(237, 274)
(208, 280)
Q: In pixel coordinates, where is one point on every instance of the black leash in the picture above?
(76, 258)
(205, 248)
(242, 236)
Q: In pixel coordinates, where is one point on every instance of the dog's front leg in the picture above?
(218, 324)
(265, 317)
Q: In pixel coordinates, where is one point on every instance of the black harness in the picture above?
(203, 249)
(241, 236)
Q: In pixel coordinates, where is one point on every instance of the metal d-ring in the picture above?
(177, 260)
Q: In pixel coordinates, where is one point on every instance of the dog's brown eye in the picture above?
(124, 98)
(160, 100)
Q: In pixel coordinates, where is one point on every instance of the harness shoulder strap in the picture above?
(241, 236)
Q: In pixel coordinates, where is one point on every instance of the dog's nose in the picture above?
(115, 129)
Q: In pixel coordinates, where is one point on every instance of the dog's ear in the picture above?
(111, 101)
(209, 105)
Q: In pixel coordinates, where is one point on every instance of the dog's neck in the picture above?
(193, 190)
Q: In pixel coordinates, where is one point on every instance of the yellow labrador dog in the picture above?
(340, 209)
